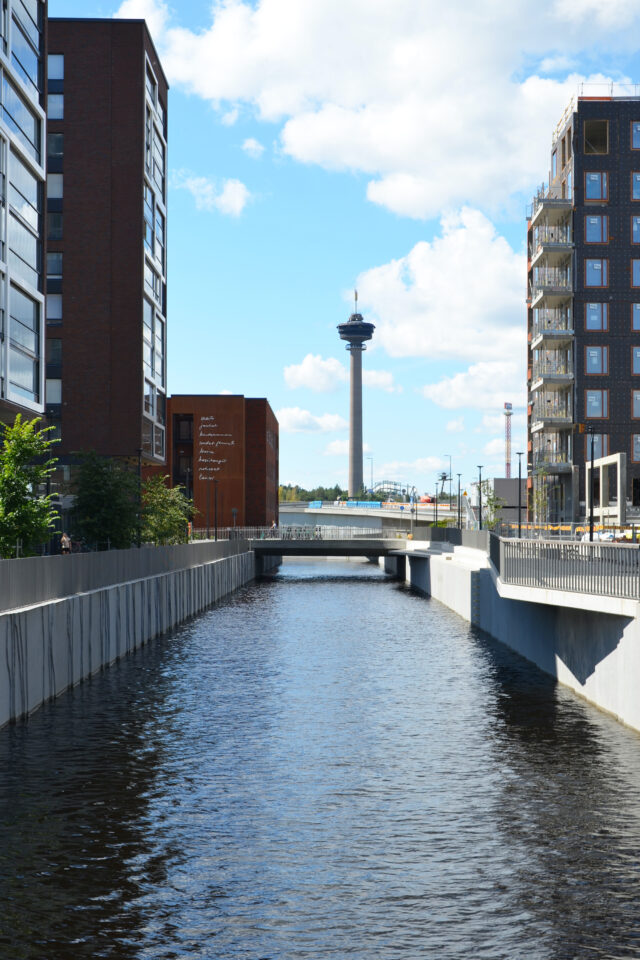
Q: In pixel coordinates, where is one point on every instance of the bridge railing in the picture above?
(310, 532)
(604, 569)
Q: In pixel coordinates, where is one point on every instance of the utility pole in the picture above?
(480, 497)
(519, 456)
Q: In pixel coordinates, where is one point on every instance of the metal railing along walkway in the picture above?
(601, 569)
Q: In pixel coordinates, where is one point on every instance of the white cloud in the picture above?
(395, 469)
(341, 448)
(455, 426)
(315, 373)
(377, 87)
(230, 197)
(380, 380)
(229, 118)
(154, 12)
(253, 147)
(495, 421)
(323, 376)
(495, 447)
(482, 386)
(458, 296)
(295, 420)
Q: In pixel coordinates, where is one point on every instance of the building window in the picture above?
(596, 359)
(147, 436)
(149, 399)
(635, 273)
(600, 445)
(635, 186)
(54, 266)
(635, 404)
(596, 136)
(55, 106)
(54, 226)
(53, 392)
(24, 352)
(596, 273)
(635, 316)
(569, 186)
(54, 307)
(635, 229)
(54, 186)
(25, 59)
(55, 145)
(596, 186)
(635, 359)
(148, 217)
(151, 86)
(635, 447)
(596, 404)
(20, 119)
(635, 136)
(24, 252)
(25, 193)
(55, 66)
(30, 14)
(153, 283)
(159, 251)
(554, 164)
(158, 161)
(596, 316)
(596, 229)
(54, 350)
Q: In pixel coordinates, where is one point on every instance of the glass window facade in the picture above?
(596, 229)
(596, 273)
(597, 403)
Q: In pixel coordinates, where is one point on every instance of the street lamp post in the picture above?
(436, 501)
(480, 497)
(519, 456)
(215, 508)
(459, 504)
(208, 508)
(591, 485)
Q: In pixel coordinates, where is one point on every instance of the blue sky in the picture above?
(392, 145)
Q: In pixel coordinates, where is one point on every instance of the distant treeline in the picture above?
(288, 492)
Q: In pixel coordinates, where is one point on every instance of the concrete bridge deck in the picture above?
(351, 547)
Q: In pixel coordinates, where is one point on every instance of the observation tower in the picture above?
(356, 331)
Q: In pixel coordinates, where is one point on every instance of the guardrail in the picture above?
(602, 569)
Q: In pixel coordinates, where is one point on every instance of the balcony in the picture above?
(551, 461)
(556, 413)
(554, 325)
(551, 285)
(550, 370)
(550, 210)
(552, 247)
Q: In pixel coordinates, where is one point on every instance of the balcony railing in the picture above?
(550, 321)
(551, 234)
(544, 458)
(552, 277)
(562, 367)
(551, 411)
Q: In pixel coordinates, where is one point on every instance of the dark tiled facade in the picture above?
(106, 224)
(584, 279)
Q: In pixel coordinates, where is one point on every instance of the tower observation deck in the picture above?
(356, 331)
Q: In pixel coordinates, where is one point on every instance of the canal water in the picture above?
(324, 766)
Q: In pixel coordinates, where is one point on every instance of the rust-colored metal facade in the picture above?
(224, 451)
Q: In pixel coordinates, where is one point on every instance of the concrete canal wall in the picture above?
(589, 643)
(64, 618)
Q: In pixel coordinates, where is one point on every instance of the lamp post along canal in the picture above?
(519, 456)
(480, 497)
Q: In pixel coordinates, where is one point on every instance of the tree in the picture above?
(105, 512)
(491, 506)
(165, 512)
(26, 515)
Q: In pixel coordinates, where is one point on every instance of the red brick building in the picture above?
(106, 239)
(224, 451)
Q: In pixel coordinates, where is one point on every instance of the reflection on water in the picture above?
(324, 766)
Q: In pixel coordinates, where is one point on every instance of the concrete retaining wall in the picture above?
(596, 654)
(45, 648)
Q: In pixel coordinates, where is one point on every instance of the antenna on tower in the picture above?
(508, 412)
(356, 298)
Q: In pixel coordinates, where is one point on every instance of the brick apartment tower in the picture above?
(22, 165)
(584, 304)
(106, 239)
